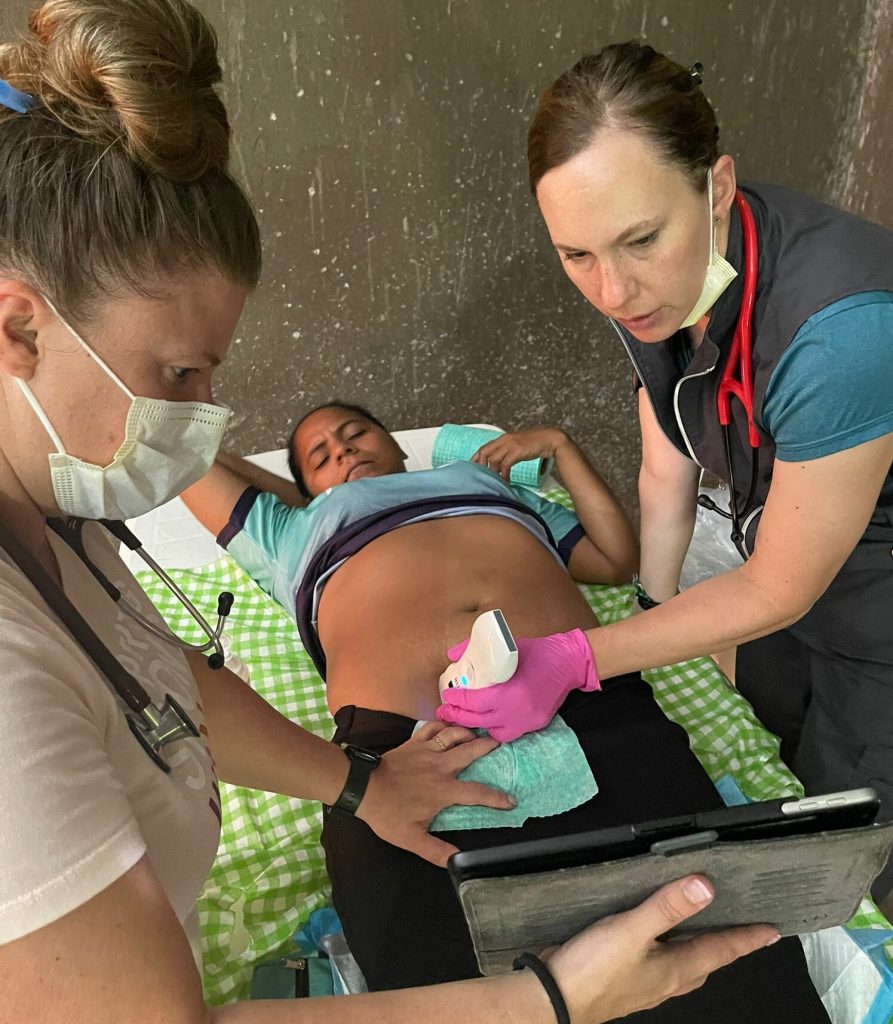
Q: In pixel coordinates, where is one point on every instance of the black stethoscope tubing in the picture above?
(734, 514)
(70, 531)
(153, 726)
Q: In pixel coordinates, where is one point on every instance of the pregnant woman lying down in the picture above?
(384, 571)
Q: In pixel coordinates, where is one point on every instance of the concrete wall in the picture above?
(383, 143)
(865, 166)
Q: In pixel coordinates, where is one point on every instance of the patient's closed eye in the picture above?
(180, 373)
(645, 240)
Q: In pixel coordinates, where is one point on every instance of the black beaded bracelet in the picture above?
(643, 598)
(548, 982)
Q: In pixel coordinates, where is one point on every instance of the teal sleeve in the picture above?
(563, 524)
(266, 537)
(833, 387)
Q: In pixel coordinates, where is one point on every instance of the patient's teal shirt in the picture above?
(276, 543)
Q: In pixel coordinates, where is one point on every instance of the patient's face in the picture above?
(333, 446)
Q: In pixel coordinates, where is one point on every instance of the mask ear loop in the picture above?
(29, 394)
(90, 352)
(41, 415)
(711, 216)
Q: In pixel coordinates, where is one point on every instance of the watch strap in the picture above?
(362, 763)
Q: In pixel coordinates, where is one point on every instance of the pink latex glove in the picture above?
(549, 667)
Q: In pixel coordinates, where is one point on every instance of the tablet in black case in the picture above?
(798, 865)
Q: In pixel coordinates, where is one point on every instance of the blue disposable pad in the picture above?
(546, 772)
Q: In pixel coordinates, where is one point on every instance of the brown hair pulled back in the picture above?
(119, 172)
(628, 86)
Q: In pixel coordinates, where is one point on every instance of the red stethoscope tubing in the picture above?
(741, 354)
(740, 361)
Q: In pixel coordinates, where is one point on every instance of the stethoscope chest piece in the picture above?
(155, 727)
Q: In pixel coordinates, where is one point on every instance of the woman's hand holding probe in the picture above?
(618, 966)
(416, 780)
(549, 667)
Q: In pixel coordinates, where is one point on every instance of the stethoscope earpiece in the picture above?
(224, 600)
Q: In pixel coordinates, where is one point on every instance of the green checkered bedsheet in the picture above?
(270, 874)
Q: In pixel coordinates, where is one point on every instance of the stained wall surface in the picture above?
(866, 168)
(406, 268)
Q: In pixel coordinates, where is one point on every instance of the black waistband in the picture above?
(383, 730)
(377, 730)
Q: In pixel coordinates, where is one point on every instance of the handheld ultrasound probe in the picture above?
(490, 658)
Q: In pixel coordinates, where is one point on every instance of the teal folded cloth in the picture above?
(546, 772)
(457, 443)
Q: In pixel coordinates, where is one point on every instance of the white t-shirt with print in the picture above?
(80, 800)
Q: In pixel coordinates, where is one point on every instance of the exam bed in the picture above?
(269, 874)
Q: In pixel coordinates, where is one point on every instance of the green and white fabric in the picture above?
(270, 872)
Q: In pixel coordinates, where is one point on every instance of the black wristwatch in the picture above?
(362, 762)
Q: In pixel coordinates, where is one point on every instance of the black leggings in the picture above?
(834, 714)
(405, 925)
(403, 921)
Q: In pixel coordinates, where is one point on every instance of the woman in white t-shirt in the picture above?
(126, 254)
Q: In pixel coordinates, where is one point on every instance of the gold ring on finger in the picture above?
(439, 742)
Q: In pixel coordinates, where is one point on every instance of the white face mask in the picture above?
(720, 273)
(167, 447)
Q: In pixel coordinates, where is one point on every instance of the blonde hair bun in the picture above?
(136, 73)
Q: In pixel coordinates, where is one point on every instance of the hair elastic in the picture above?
(10, 97)
(533, 962)
(697, 73)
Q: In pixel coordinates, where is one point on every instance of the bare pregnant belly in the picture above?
(388, 615)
